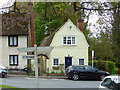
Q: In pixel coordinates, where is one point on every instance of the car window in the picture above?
(69, 66)
(89, 68)
(106, 82)
(80, 68)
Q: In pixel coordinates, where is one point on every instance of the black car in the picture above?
(76, 72)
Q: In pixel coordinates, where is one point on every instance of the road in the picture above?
(26, 82)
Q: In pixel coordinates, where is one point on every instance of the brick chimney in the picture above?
(52, 31)
(80, 23)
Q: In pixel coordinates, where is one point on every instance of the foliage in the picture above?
(115, 70)
(105, 65)
(95, 63)
(31, 73)
(101, 65)
(51, 15)
(56, 68)
(110, 66)
(61, 68)
(52, 72)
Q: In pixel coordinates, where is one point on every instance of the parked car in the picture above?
(76, 72)
(110, 83)
(3, 72)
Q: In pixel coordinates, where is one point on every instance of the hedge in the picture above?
(104, 65)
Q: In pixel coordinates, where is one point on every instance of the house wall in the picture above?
(80, 50)
(5, 51)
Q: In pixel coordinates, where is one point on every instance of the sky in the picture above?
(5, 3)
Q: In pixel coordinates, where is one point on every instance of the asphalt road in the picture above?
(25, 82)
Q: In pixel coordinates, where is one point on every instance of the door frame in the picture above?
(71, 59)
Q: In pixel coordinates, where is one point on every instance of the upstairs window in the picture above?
(69, 40)
(13, 40)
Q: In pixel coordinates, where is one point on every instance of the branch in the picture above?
(53, 9)
(7, 7)
(94, 9)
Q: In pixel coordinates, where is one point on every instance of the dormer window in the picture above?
(69, 40)
(13, 40)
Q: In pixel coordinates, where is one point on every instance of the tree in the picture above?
(115, 37)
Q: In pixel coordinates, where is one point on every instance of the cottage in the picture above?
(13, 35)
(70, 46)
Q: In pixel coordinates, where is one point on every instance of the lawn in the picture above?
(11, 88)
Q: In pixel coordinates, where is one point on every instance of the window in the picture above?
(55, 61)
(81, 61)
(13, 40)
(13, 59)
(90, 68)
(106, 82)
(69, 40)
(80, 68)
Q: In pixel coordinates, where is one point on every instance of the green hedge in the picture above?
(115, 71)
(110, 66)
(104, 65)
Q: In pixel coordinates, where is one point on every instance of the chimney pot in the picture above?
(80, 24)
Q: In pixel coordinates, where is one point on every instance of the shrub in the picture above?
(101, 64)
(110, 65)
(105, 65)
(31, 73)
(61, 68)
(115, 70)
(94, 62)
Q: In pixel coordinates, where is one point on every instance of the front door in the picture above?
(68, 61)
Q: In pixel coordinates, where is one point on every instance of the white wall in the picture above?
(80, 50)
(6, 51)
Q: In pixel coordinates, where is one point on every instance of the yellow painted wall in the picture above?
(80, 50)
(5, 51)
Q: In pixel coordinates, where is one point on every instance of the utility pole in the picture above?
(31, 38)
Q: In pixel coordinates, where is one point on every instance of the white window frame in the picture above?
(14, 58)
(53, 62)
(79, 61)
(67, 39)
(13, 40)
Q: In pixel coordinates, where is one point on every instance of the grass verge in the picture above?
(11, 87)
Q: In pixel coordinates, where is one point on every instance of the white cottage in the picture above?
(10, 40)
(70, 46)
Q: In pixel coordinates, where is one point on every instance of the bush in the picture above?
(94, 62)
(105, 65)
(110, 65)
(115, 70)
(101, 64)
(32, 73)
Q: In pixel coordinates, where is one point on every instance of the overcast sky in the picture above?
(3, 2)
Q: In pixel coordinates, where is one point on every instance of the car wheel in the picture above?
(4, 75)
(75, 77)
(102, 77)
(69, 78)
